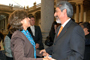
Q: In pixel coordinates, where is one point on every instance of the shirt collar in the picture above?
(32, 26)
(66, 22)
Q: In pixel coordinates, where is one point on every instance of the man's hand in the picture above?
(46, 58)
(44, 52)
(51, 58)
(37, 45)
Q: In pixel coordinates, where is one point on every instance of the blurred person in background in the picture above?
(35, 31)
(7, 43)
(86, 29)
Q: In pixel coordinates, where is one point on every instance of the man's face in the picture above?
(58, 13)
(25, 22)
(85, 30)
(32, 21)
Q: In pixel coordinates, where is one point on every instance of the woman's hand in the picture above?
(48, 58)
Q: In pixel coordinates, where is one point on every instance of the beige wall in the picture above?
(88, 15)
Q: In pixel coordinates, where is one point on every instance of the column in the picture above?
(77, 13)
(47, 16)
(6, 22)
(84, 17)
(75, 16)
(81, 15)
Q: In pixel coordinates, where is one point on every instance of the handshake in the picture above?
(46, 55)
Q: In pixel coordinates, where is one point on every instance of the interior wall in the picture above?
(88, 15)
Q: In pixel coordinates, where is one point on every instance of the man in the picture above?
(69, 44)
(86, 28)
(36, 33)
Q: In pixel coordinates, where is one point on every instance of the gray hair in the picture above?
(66, 5)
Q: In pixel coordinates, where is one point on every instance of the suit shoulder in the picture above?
(37, 26)
(17, 33)
(73, 24)
(76, 25)
(18, 36)
(78, 29)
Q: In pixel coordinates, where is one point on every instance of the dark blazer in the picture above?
(21, 48)
(38, 36)
(70, 44)
(87, 47)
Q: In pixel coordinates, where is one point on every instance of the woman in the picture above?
(7, 40)
(22, 43)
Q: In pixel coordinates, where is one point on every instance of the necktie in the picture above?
(60, 30)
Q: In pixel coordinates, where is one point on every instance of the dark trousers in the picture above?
(9, 58)
(2, 55)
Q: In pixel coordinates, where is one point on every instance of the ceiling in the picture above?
(86, 4)
(20, 3)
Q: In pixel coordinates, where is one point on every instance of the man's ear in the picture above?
(65, 11)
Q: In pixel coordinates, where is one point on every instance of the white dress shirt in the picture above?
(65, 23)
(33, 30)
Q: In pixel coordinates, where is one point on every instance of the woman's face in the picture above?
(26, 23)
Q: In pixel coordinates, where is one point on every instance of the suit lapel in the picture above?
(29, 29)
(35, 30)
(63, 31)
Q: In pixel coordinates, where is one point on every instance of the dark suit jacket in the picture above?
(21, 48)
(70, 44)
(87, 47)
(38, 36)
